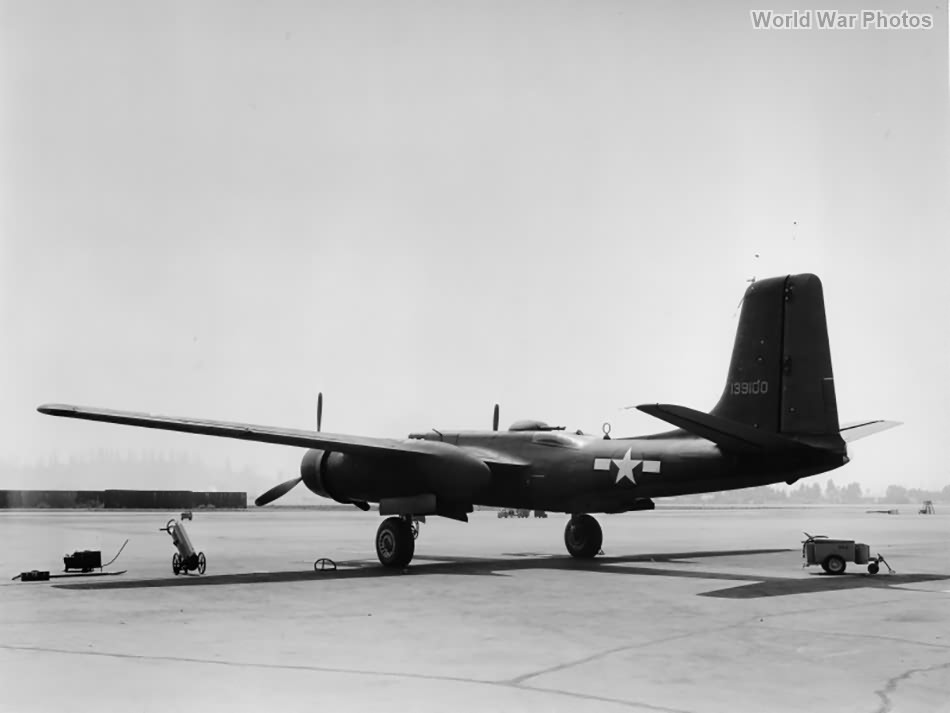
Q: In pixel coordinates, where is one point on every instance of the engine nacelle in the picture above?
(326, 474)
(440, 469)
(310, 472)
(349, 478)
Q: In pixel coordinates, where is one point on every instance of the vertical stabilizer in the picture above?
(780, 377)
(753, 390)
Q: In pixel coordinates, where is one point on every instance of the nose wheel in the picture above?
(583, 536)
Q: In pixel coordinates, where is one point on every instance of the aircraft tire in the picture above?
(583, 537)
(395, 544)
(834, 564)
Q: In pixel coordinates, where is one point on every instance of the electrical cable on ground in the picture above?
(116, 556)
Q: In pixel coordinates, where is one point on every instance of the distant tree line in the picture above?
(114, 469)
(813, 493)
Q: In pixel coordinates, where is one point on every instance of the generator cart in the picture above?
(833, 555)
(84, 561)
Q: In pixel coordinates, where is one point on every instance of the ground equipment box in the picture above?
(86, 560)
(819, 550)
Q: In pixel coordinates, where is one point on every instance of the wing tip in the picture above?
(61, 410)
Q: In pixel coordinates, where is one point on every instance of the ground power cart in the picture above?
(186, 559)
(833, 555)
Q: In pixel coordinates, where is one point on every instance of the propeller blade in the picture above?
(276, 492)
(494, 420)
(319, 410)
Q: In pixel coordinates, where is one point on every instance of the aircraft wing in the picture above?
(860, 429)
(494, 458)
(245, 431)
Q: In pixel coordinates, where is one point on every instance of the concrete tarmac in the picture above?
(688, 610)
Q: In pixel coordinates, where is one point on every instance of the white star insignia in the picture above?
(625, 467)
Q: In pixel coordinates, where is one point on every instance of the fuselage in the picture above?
(561, 471)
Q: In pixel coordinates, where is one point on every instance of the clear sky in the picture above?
(421, 208)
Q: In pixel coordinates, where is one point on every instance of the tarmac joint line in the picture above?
(354, 672)
(886, 693)
(519, 680)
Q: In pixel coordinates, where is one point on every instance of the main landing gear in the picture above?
(395, 541)
(583, 536)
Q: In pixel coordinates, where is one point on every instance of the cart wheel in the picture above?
(834, 564)
(873, 568)
(176, 563)
(202, 563)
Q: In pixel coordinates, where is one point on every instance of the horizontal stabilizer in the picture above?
(861, 429)
(729, 435)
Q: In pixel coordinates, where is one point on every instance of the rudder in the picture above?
(809, 405)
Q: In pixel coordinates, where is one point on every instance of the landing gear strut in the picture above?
(583, 536)
(395, 543)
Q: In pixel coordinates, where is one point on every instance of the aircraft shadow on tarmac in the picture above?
(757, 586)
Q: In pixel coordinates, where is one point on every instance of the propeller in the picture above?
(276, 492)
(494, 420)
(279, 491)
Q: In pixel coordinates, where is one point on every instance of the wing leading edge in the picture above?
(240, 431)
(340, 443)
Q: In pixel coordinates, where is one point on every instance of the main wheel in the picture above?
(394, 542)
(834, 564)
(583, 536)
(202, 563)
(176, 563)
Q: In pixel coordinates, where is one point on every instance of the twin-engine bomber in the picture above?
(776, 421)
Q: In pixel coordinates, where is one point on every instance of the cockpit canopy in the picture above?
(533, 425)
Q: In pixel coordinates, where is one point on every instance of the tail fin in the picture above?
(780, 377)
